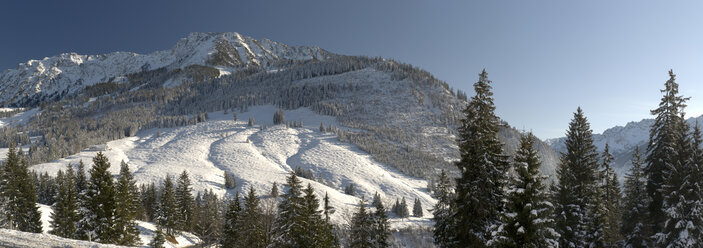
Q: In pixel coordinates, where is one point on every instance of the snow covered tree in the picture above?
(19, 192)
(577, 185)
(381, 227)
(159, 240)
(417, 208)
(64, 217)
(526, 220)
(127, 204)
(349, 189)
(361, 228)
(81, 181)
(442, 212)
(683, 204)
(251, 231)
(98, 206)
(251, 122)
(149, 200)
(230, 234)
(274, 190)
(209, 217)
(167, 213)
(401, 209)
(279, 117)
(230, 182)
(611, 201)
(288, 229)
(184, 202)
(662, 150)
(634, 225)
(482, 166)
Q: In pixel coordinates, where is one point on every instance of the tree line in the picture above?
(503, 202)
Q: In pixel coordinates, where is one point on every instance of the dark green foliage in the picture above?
(482, 166)
(279, 117)
(250, 228)
(64, 217)
(159, 239)
(349, 189)
(288, 229)
(230, 182)
(634, 222)
(167, 213)
(526, 220)
(98, 206)
(185, 203)
(577, 187)
(442, 212)
(662, 150)
(209, 218)
(230, 232)
(361, 235)
(81, 181)
(19, 193)
(127, 207)
(381, 227)
(400, 208)
(611, 203)
(417, 208)
(274, 190)
(149, 202)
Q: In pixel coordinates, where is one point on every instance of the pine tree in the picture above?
(149, 202)
(64, 217)
(98, 207)
(311, 219)
(442, 212)
(288, 229)
(274, 190)
(251, 229)
(662, 150)
(230, 182)
(381, 227)
(683, 204)
(18, 190)
(577, 188)
(612, 201)
(127, 205)
(482, 168)
(403, 209)
(81, 181)
(251, 122)
(326, 228)
(208, 218)
(361, 232)
(230, 234)
(526, 219)
(634, 224)
(167, 214)
(159, 240)
(417, 208)
(184, 202)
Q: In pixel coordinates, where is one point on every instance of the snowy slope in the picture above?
(258, 158)
(66, 73)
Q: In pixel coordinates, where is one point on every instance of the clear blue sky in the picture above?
(544, 57)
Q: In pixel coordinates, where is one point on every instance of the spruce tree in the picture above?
(149, 202)
(81, 181)
(526, 220)
(251, 229)
(64, 217)
(577, 187)
(403, 209)
(208, 218)
(662, 150)
(288, 229)
(683, 204)
(482, 166)
(612, 201)
(381, 227)
(98, 207)
(274, 190)
(634, 222)
(319, 234)
(127, 205)
(442, 212)
(185, 202)
(167, 214)
(159, 240)
(230, 182)
(230, 234)
(361, 231)
(19, 191)
(417, 208)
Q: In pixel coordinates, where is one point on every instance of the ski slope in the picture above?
(259, 157)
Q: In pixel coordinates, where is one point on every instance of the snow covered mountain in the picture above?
(621, 140)
(54, 77)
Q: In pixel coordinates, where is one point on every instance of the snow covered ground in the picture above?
(19, 118)
(258, 158)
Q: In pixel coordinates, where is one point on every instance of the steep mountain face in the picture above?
(55, 77)
(621, 140)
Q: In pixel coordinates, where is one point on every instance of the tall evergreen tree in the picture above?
(417, 208)
(18, 190)
(167, 214)
(662, 150)
(98, 207)
(64, 217)
(634, 223)
(185, 202)
(230, 234)
(683, 204)
(127, 205)
(526, 220)
(442, 212)
(482, 166)
(361, 232)
(208, 218)
(288, 229)
(381, 227)
(577, 187)
(81, 181)
(159, 240)
(251, 229)
(319, 234)
(612, 201)
(149, 202)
